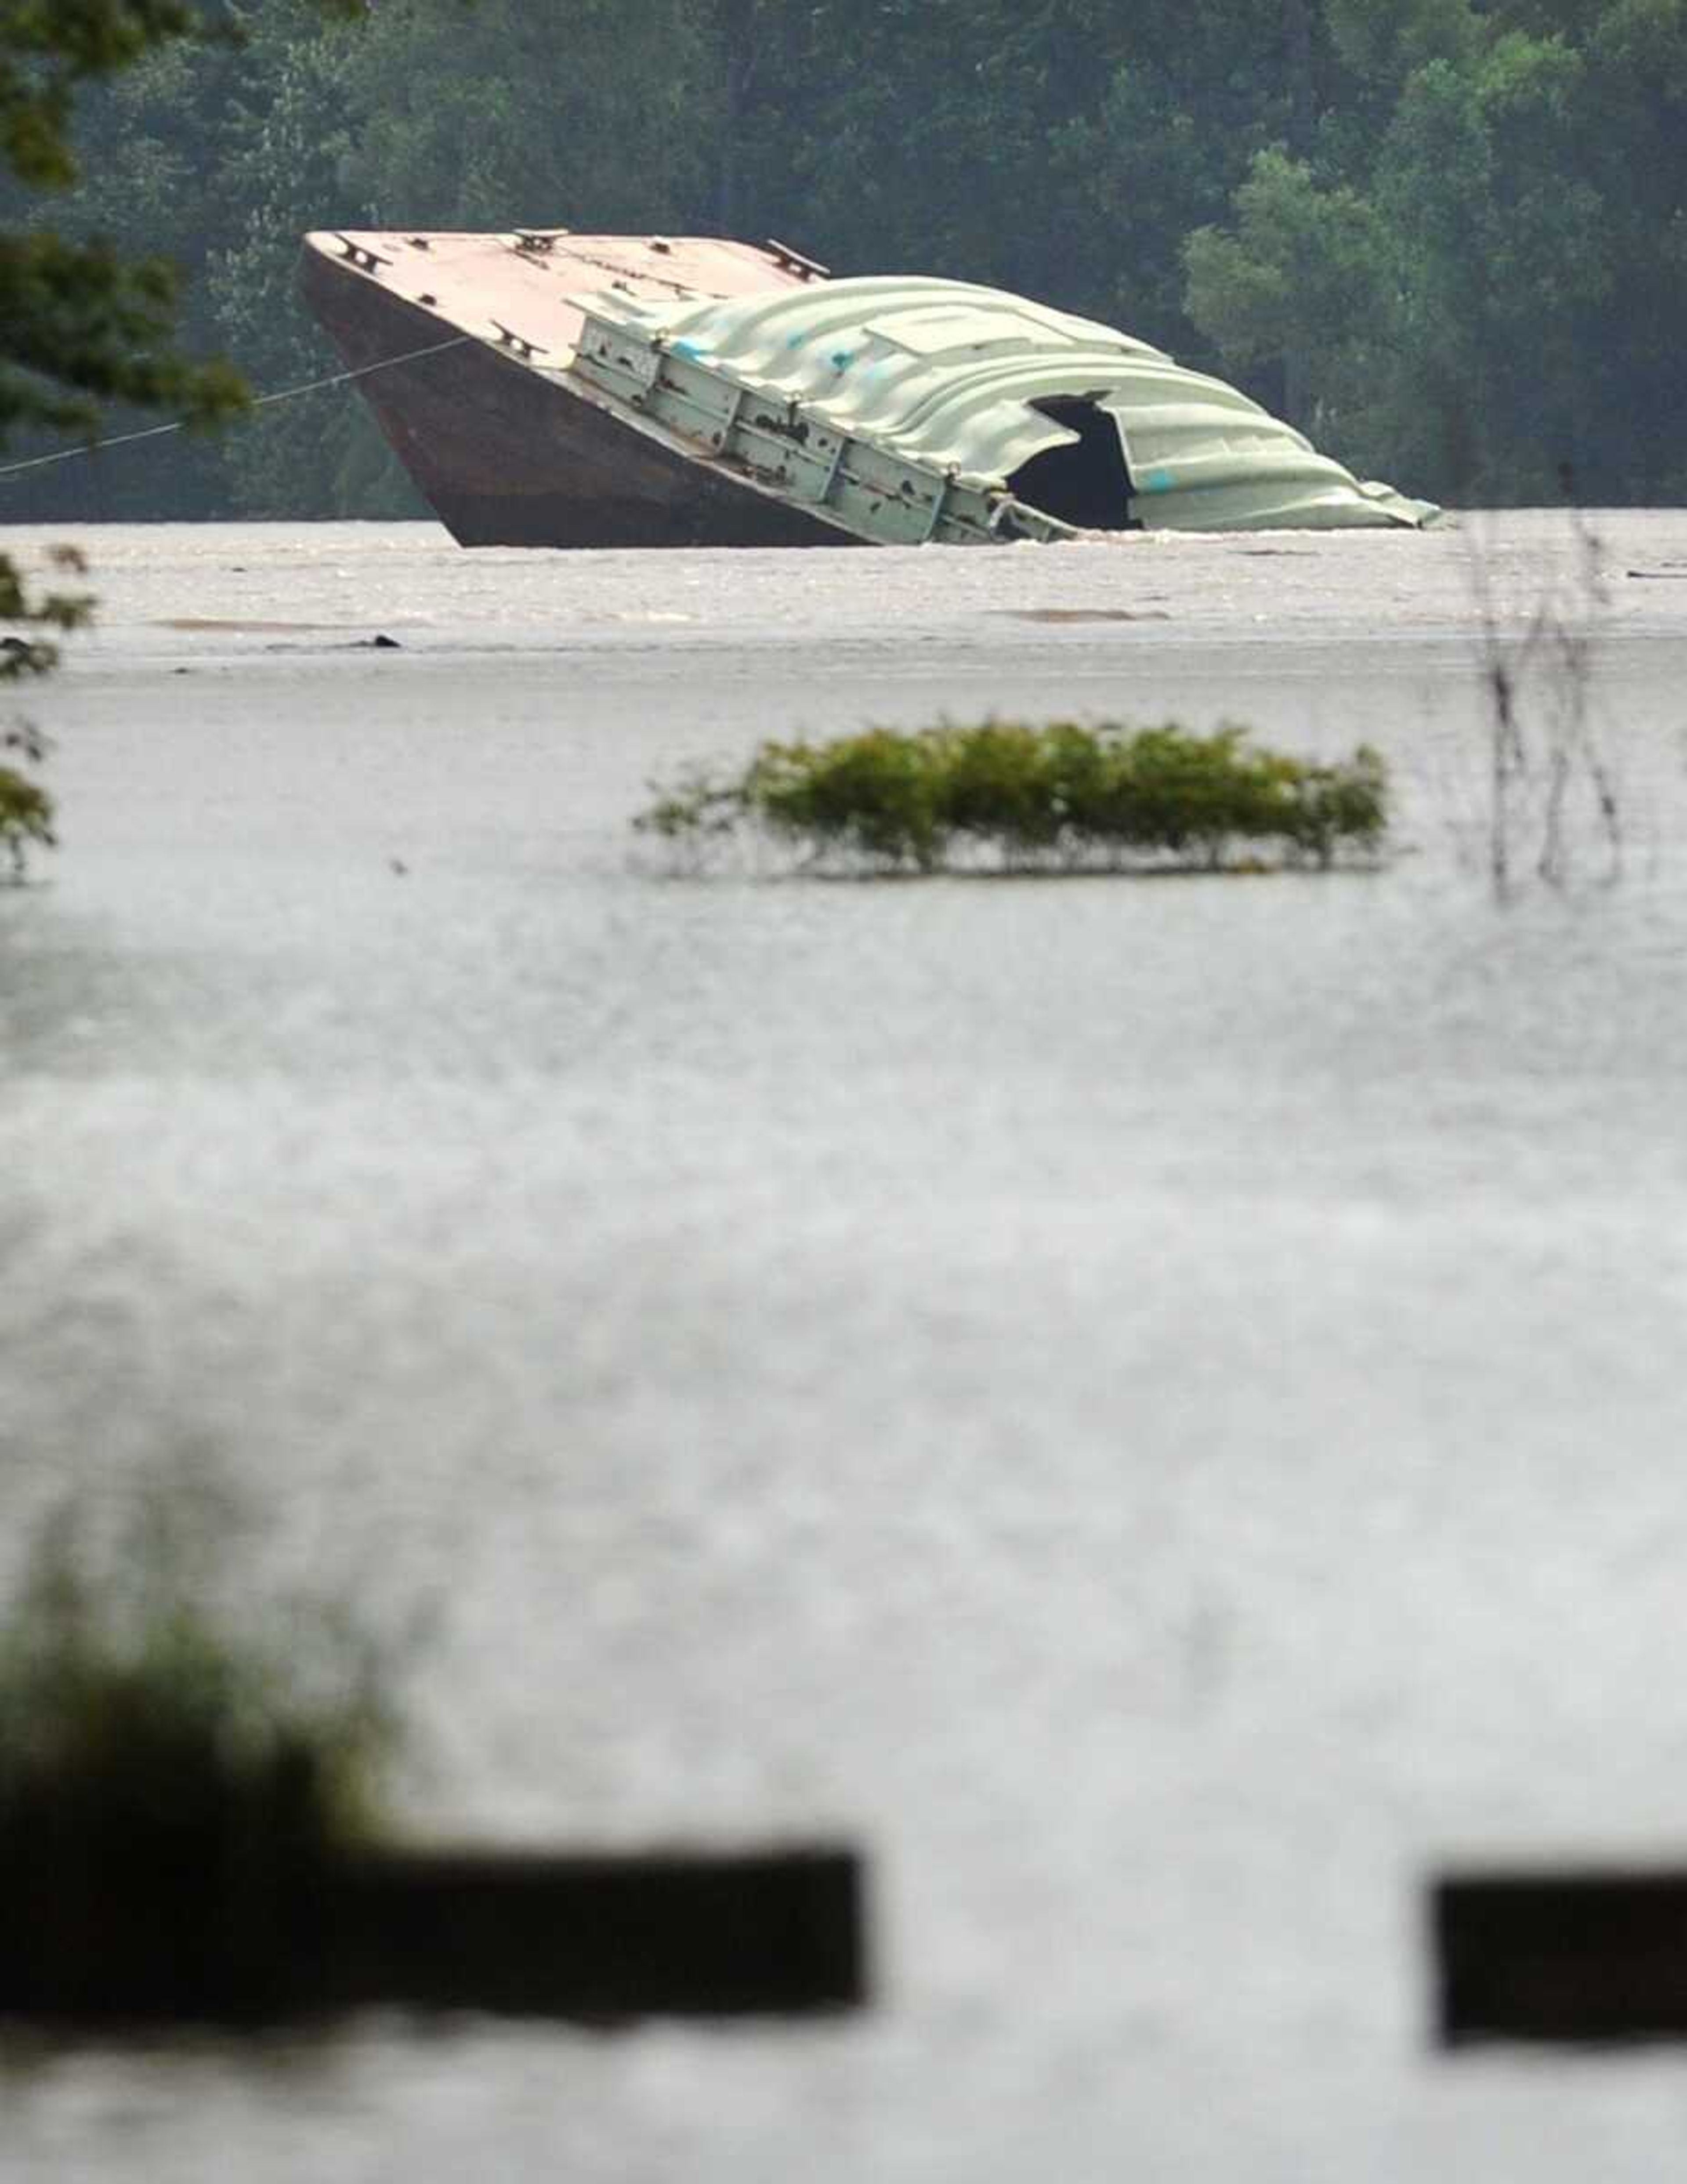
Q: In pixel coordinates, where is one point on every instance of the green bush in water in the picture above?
(173, 1796)
(877, 794)
(1061, 794)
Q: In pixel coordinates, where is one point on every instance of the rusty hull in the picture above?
(504, 453)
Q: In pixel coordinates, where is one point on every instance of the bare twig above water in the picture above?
(1552, 780)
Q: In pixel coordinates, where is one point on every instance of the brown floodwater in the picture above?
(1155, 1407)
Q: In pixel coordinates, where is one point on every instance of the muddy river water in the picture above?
(1156, 1406)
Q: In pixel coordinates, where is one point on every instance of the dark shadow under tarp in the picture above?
(1086, 482)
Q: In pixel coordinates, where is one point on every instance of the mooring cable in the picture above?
(259, 401)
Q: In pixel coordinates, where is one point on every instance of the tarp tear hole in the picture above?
(1086, 482)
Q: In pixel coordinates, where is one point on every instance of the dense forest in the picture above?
(1446, 238)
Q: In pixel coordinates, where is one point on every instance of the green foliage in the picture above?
(84, 323)
(1386, 41)
(1301, 279)
(47, 50)
(25, 808)
(878, 794)
(1063, 796)
(60, 611)
(25, 819)
(1475, 282)
(81, 324)
(175, 1782)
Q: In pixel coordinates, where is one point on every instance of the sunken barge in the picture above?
(544, 388)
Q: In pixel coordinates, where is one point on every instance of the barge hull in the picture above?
(549, 389)
(505, 456)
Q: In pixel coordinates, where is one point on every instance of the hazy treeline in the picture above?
(1448, 237)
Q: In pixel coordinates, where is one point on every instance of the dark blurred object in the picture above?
(163, 1931)
(603, 1938)
(193, 1826)
(1576, 1957)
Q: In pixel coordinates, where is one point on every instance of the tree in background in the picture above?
(1448, 237)
(82, 325)
(443, 116)
(1489, 240)
(79, 324)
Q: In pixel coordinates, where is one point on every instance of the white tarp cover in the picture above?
(942, 373)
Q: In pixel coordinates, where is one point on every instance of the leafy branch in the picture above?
(80, 325)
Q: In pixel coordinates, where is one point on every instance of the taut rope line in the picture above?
(259, 402)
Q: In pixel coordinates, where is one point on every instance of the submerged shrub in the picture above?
(1003, 782)
(174, 1791)
(874, 794)
(1062, 795)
